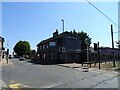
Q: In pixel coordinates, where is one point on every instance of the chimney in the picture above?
(55, 34)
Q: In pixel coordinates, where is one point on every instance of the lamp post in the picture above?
(63, 24)
(63, 46)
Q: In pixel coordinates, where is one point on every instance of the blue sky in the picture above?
(37, 21)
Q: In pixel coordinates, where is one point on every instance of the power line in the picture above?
(103, 13)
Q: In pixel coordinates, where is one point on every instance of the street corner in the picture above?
(18, 86)
(2, 85)
(4, 62)
(70, 65)
(14, 86)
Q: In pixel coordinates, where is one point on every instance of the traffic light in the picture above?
(95, 46)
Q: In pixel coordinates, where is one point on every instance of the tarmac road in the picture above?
(22, 74)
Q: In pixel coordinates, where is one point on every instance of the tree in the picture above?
(32, 54)
(85, 39)
(22, 48)
(118, 44)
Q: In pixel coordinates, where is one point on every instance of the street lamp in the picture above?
(63, 24)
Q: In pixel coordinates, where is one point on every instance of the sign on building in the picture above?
(78, 50)
(52, 44)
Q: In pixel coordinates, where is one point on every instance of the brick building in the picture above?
(1, 46)
(61, 48)
(106, 54)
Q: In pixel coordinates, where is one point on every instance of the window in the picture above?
(44, 56)
(37, 47)
(51, 55)
(43, 46)
(47, 46)
(59, 49)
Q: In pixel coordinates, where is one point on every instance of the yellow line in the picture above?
(109, 75)
(15, 86)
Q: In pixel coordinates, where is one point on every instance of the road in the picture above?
(29, 75)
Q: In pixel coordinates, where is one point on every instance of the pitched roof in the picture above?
(53, 38)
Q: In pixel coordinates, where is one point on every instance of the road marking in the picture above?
(108, 74)
(2, 85)
(13, 82)
(52, 85)
(15, 86)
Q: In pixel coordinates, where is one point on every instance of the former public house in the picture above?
(61, 48)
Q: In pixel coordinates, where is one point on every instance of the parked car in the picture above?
(10, 57)
(21, 58)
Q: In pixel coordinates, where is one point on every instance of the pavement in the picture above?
(79, 67)
(22, 74)
(85, 67)
(4, 62)
(2, 85)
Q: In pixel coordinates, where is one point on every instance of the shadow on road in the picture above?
(45, 62)
(37, 62)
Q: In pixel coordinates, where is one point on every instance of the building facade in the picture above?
(106, 54)
(1, 47)
(61, 48)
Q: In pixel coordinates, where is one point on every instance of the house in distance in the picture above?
(61, 48)
(1, 47)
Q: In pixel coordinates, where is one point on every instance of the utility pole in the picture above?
(98, 55)
(113, 46)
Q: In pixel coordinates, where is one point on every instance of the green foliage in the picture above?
(22, 48)
(85, 39)
(32, 53)
(118, 44)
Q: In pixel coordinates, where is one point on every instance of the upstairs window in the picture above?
(47, 46)
(43, 46)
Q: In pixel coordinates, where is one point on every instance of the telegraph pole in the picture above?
(98, 55)
(113, 46)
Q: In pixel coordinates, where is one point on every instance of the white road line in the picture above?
(2, 85)
(52, 85)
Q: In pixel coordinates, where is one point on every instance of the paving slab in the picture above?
(4, 62)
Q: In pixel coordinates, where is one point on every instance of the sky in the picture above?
(36, 21)
(119, 20)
